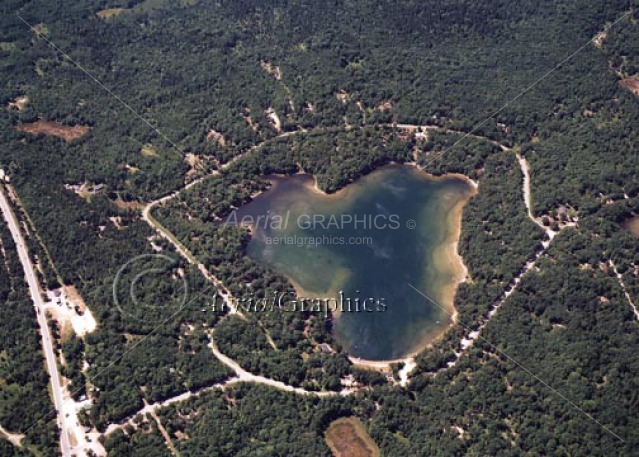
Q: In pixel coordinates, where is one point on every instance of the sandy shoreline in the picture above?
(454, 260)
(443, 177)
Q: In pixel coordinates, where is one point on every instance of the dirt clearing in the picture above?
(632, 225)
(19, 103)
(630, 84)
(110, 12)
(148, 151)
(66, 132)
(347, 437)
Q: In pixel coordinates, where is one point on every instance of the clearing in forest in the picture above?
(66, 132)
(148, 151)
(632, 225)
(630, 84)
(109, 12)
(347, 437)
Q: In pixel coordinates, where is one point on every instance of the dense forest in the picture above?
(222, 93)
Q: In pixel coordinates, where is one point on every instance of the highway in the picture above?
(47, 342)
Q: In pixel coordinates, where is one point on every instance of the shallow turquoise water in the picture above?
(386, 231)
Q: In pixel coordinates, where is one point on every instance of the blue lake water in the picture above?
(394, 227)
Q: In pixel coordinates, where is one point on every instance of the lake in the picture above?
(360, 248)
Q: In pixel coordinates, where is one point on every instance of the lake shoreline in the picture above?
(339, 193)
(461, 275)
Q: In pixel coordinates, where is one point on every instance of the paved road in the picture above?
(36, 297)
